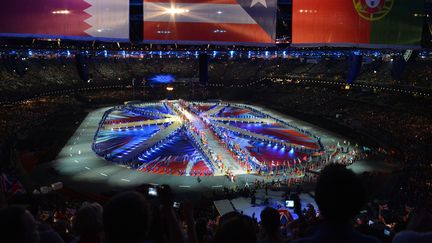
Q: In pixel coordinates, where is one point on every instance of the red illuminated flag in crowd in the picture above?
(10, 185)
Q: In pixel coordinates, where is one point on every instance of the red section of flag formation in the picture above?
(217, 32)
(45, 17)
(333, 21)
(211, 21)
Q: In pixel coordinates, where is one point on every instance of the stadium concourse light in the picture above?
(174, 11)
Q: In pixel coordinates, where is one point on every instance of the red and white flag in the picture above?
(65, 18)
(210, 21)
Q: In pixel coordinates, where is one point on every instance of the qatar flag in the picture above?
(82, 19)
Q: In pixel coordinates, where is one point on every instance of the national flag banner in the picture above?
(210, 21)
(370, 23)
(71, 19)
(10, 185)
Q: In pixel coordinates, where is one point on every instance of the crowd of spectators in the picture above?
(31, 75)
(397, 125)
(342, 216)
(401, 122)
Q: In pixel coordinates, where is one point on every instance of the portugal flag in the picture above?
(358, 22)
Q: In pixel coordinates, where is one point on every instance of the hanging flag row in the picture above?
(164, 21)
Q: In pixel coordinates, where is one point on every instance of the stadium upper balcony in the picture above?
(26, 70)
(24, 44)
(60, 44)
(234, 53)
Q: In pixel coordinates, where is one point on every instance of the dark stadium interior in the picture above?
(109, 135)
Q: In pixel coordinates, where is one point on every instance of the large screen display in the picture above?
(161, 79)
(91, 19)
(380, 23)
(210, 21)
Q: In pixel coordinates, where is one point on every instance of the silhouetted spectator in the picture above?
(17, 225)
(48, 234)
(89, 224)
(270, 223)
(340, 195)
(126, 218)
(235, 227)
(201, 231)
(419, 229)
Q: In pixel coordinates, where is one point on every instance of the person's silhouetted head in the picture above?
(88, 220)
(17, 225)
(126, 218)
(235, 227)
(270, 220)
(201, 229)
(339, 193)
(420, 221)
